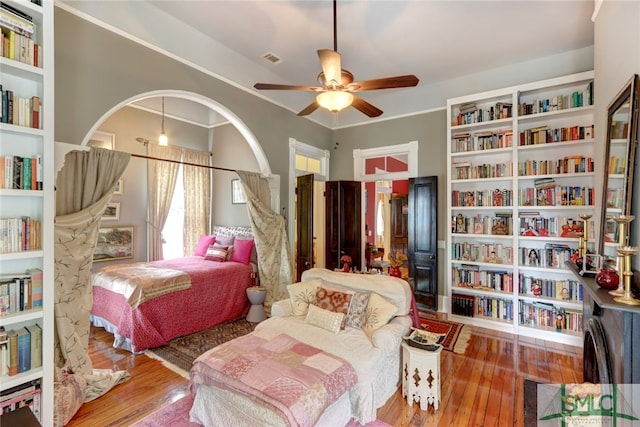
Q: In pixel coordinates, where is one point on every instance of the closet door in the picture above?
(343, 223)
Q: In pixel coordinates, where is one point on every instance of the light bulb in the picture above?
(162, 139)
(334, 100)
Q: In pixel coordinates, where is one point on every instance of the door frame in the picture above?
(300, 148)
(360, 155)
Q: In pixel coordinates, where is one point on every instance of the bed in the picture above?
(224, 380)
(145, 305)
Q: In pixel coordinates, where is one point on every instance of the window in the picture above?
(394, 162)
(173, 231)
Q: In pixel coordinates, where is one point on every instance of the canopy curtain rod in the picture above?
(142, 156)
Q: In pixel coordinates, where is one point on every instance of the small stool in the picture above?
(256, 295)
(421, 376)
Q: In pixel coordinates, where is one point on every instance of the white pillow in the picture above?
(302, 294)
(325, 319)
(378, 313)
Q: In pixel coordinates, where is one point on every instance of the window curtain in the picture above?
(161, 182)
(197, 198)
(269, 229)
(84, 185)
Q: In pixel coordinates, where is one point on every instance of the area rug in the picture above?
(456, 335)
(530, 403)
(177, 415)
(180, 353)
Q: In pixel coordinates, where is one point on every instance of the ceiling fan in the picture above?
(337, 86)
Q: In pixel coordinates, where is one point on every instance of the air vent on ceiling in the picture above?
(271, 57)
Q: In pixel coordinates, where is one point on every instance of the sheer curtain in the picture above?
(161, 181)
(197, 198)
(270, 234)
(84, 185)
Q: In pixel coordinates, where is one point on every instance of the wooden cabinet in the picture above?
(343, 223)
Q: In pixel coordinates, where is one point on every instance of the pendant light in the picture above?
(162, 139)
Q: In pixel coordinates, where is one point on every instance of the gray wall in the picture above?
(616, 58)
(97, 69)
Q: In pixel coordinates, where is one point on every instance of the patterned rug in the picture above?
(180, 353)
(456, 335)
(177, 415)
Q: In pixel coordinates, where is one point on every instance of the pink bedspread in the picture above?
(297, 380)
(217, 294)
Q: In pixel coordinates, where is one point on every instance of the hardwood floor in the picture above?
(483, 387)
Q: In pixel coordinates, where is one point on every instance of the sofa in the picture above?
(357, 318)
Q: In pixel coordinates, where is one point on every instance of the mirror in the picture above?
(622, 122)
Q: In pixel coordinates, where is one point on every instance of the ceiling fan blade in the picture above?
(364, 107)
(270, 86)
(331, 66)
(309, 109)
(385, 83)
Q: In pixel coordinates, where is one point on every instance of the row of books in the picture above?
(547, 315)
(20, 234)
(617, 165)
(495, 253)
(561, 195)
(547, 135)
(615, 197)
(20, 349)
(16, 36)
(499, 225)
(20, 111)
(575, 99)
(21, 173)
(568, 164)
(482, 306)
(24, 395)
(560, 289)
(466, 170)
(553, 255)
(619, 129)
(479, 141)
(470, 113)
(479, 198)
(20, 292)
(470, 276)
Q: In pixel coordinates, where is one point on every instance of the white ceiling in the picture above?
(446, 44)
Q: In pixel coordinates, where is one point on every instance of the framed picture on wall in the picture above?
(103, 140)
(237, 193)
(119, 188)
(111, 212)
(114, 243)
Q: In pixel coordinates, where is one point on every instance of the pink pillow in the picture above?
(203, 245)
(242, 251)
(216, 253)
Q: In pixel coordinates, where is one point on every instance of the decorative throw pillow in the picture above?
(302, 294)
(216, 252)
(203, 245)
(324, 319)
(378, 313)
(225, 240)
(357, 309)
(334, 300)
(242, 251)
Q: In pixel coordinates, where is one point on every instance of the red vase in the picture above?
(608, 278)
(395, 272)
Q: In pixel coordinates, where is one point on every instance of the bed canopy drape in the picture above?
(84, 186)
(270, 234)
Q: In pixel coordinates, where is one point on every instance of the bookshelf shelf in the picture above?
(550, 148)
(29, 135)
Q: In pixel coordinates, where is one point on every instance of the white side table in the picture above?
(421, 376)
(256, 295)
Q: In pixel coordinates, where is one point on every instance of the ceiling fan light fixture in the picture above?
(334, 100)
(163, 139)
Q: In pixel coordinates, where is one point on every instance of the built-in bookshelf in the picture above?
(26, 207)
(520, 175)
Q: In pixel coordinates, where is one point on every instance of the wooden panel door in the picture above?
(343, 235)
(304, 224)
(399, 227)
(423, 240)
